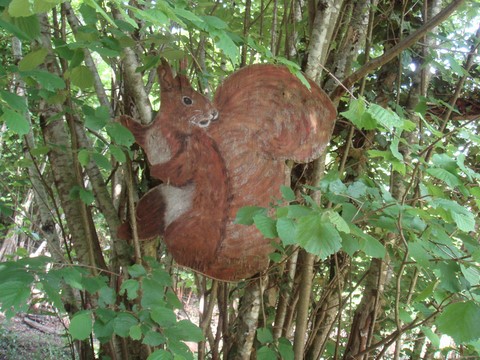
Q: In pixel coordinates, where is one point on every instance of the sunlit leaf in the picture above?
(28, 25)
(33, 59)
(226, 45)
(16, 122)
(385, 117)
(81, 76)
(318, 237)
(338, 221)
(18, 8)
(460, 321)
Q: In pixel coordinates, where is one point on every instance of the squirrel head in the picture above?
(188, 109)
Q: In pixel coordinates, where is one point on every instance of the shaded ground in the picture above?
(36, 337)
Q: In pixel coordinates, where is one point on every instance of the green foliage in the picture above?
(154, 323)
(460, 321)
(427, 236)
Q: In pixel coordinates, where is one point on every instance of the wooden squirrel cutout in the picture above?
(214, 159)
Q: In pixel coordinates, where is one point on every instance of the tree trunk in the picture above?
(327, 13)
(245, 326)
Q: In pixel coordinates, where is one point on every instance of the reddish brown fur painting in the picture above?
(215, 158)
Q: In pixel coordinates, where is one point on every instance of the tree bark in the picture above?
(327, 13)
(245, 326)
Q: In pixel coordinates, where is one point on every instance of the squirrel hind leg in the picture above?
(150, 213)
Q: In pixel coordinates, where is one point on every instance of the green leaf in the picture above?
(450, 179)
(102, 161)
(136, 332)
(77, 58)
(287, 193)
(131, 287)
(394, 148)
(32, 59)
(16, 122)
(73, 277)
(185, 330)
(298, 211)
(120, 134)
(419, 254)
(246, 214)
(106, 296)
(471, 274)
(86, 196)
(357, 190)
(264, 335)
(118, 153)
(153, 338)
(215, 22)
(47, 80)
(434, 338)
(464, 219)
(163, 316)
(153, 294)
(83, 157)
(101, 11)
(14, 294)
(103, 326)
(226, 44)
(358, 116)
(81, 76)
(123, 322)
(286, 229)
(266, 225)
(350, 244)
(28, 25)
(460, 321)
(285, 349)
(338, 221)
(455, 66)
(385, 117)
(96, 120)
(368, 244)
(427, 292)
(15, 102)
(318, 237)
(19, 8)
(160, 355)
(137, 270)
(179, 349)
(265, 353)
(81, 325)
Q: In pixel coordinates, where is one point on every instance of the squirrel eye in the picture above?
(187, 100)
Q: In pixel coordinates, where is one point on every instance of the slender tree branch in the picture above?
(394, 51)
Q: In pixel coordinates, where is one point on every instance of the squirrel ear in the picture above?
(165, 76)
(184, 82)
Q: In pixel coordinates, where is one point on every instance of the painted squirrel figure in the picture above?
(216, 158)
(189, 208)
